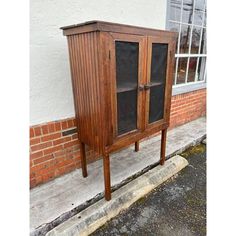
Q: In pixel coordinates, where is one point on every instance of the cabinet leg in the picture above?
(83, 159)
(107, 178)
(137, 146)
(163, 146)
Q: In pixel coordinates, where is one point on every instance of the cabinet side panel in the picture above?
(87, 89)
(108, 93)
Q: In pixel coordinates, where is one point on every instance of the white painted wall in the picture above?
(50, 84)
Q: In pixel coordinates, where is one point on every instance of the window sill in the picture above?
(186, 88)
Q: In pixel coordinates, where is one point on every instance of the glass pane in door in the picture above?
(127, 57)
(157, 81)
(156, 111)
(159, 63)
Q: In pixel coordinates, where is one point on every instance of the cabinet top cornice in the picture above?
(95, 25)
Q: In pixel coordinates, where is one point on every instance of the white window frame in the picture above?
(195, 85)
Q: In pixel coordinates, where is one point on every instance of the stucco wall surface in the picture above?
(50, 84)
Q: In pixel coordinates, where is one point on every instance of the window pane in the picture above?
(198, 18)
(173, 27)
(181, 70)
(205, 18)
(187, 11)
(192, 69)
(199, 5)
(203, 43)
(185, 38)
(195, 40)
(175, 8)
(199, 11)
(201, 68)
(173, 74)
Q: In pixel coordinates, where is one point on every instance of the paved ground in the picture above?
(177, 208)
(58, 200)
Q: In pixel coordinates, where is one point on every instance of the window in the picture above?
(188, 18)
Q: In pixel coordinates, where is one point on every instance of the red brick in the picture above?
(48, 176)
(75, 147)
(70, 123)
(34, 141)
(64, 125)
(57, 126)
(51, 128)
(74, 136)
(43, 159)
(45, 129)
(50, 137)
(37, 131)
(76, 153)
(40, 166)
(74, 122)
(60, 163)
(70, 144)
(60, 171)
(33, 183)
(69, 168)
(32, 175)
(62, 140)
(36, 155)
(39, 180)
(31, 132)
(46, 170)
(59, 153)
(52, 149)
(41, 146)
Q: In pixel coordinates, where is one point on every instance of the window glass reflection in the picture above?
(187, 11)
(199, 12)
(174, 27)
(182, 65)
(201, 68)
(203, 43)
(195, 39)
(192, 28)
(175, 9)
(192, 69)
(185, 38)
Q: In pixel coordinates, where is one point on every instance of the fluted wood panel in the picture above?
(87, 88)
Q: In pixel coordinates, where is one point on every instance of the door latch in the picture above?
(147, 86)
(141, 87)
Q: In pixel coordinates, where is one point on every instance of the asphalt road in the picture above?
(176, 208)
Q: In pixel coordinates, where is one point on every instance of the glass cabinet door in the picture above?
(157, 81)
(157, 78)
(128, 51)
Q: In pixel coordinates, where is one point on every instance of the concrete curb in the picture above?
(93, 217)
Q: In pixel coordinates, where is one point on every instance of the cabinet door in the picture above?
(159, 79)
(127, 57)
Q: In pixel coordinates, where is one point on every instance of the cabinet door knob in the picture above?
(141, 87)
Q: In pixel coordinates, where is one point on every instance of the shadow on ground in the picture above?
(176, 208)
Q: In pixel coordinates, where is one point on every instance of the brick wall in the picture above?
(54, 146)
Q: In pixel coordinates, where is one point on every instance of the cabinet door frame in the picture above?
(169, 74)
(141, 80)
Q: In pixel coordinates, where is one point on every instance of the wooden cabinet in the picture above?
(122, 82)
